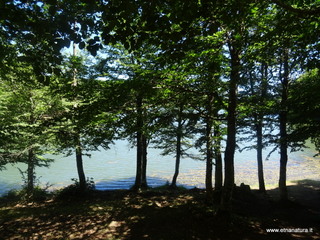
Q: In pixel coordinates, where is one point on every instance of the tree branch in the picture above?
(313, 12)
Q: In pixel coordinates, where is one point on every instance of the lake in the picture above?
(116, 167)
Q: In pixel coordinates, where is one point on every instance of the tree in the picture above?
(176, 126)
(166, 26)
(214, 48)
(29, 109)
(85, 123)
(283, 52)
(29, 56)
(209, 94)
(256, 102)
(135, 71)
(303, 113)
(293, 51)
(256, 97)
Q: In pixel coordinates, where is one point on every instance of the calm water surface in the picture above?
(115, 169)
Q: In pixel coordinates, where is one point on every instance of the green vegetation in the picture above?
(166, 74)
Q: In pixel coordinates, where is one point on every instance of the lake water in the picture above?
(116, 167)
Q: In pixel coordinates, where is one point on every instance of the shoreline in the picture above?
(192, 173)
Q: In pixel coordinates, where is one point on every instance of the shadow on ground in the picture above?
(180, 214)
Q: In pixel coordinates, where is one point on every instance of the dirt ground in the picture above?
(164, 214)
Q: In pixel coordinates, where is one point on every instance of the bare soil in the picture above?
(166, 214)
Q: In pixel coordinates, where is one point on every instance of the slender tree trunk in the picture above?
(262, 187)
(258, 122)
(283, 158)
(226, 199)
(209, 149)
(79, 161)
(30, 173)
(259, 127)
(177, 163)
(78, 146)
(209, 188)
(178, 149)
(218, 160)
(139, 168)
(209, 157)
(283, 129)
(31, 156)
(138, 180)
(144, 183)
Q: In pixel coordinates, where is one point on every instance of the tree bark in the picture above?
(79, 161)
(262, 187)
(283, 129)
(259, 127)
(209, 157)
(209, 150)
(178, 149)
(78, 146)
(138, 180)
(30, 173)
(258, 122)
(144, 183)
(283, 158)
(226, 199)
(139, 139)
(218, 160)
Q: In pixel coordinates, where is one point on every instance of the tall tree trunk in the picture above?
(259, 127)
(258, 122)
(262, 187)
(209, 157)
(218, 160)
(139, 139)
(30, 173)
(283, 129)
(78, 145)
(226, 199)
(79, 161)
(144, 183)
(138, 181)
(178, 148)
(209, 150)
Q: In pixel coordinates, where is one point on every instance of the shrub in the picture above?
(74, 190)
(39, 194)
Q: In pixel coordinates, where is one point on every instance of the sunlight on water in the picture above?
(115, 169)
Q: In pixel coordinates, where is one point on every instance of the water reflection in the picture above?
(127, 183)
(115, 169)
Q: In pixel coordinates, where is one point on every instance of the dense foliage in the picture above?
(170, 74)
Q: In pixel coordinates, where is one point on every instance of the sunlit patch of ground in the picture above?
(180, 214)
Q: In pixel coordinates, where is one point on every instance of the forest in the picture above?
(77, 75)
